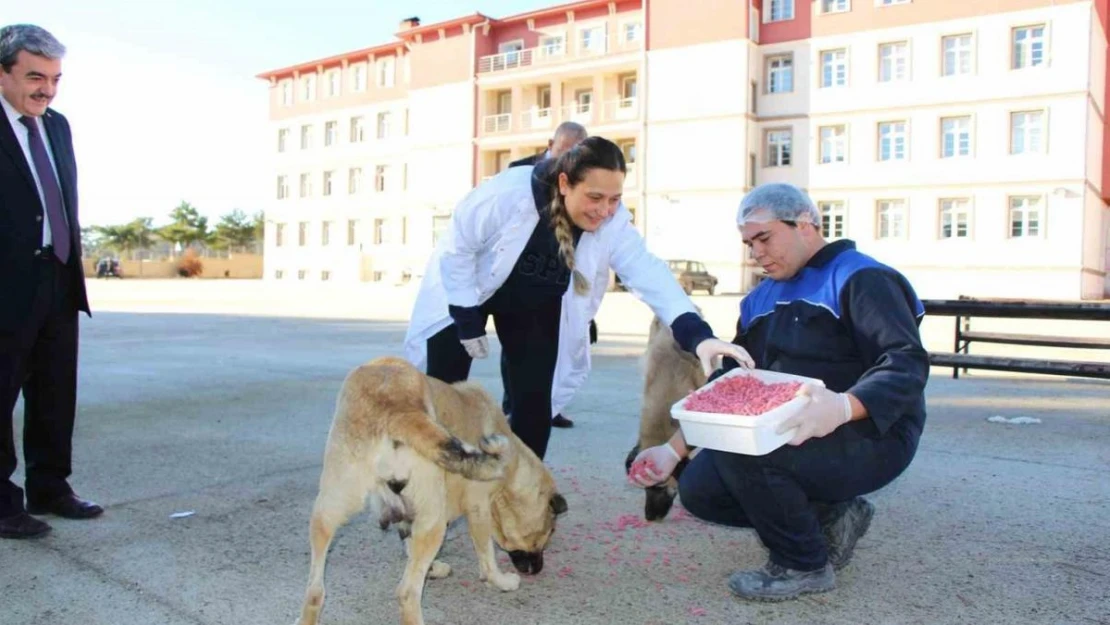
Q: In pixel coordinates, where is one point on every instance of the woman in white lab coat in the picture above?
(515, 246)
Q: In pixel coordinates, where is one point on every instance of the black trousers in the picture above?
(506, 382)
(39, 358)
(784, 494)
(530, 346)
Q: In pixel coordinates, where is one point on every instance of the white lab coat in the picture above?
(488, 232)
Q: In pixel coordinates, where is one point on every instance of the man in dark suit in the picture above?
(567, 135)
(42, 281)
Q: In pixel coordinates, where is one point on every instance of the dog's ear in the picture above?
(558, 504)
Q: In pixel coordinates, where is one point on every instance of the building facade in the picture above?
(962, 142)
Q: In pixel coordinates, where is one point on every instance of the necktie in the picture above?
(52, 193)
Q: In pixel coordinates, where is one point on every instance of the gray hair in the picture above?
(27, 38)
(570, 129)
(777, 201)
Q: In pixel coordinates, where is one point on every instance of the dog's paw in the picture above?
(494, 444)
(505, 582)
(439, 570)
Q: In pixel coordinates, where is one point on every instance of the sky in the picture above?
(162, 95)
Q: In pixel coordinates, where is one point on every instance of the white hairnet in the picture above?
(777, 201)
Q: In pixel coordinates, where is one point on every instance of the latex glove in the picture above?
(824, 412)
(653, 465)
(710, 350)
(477, 348)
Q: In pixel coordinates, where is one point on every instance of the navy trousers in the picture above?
(785, 494)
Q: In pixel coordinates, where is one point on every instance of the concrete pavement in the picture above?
(189, 405)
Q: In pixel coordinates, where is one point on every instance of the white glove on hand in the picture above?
(709, 350)
(825, 412)
(477, 348)
(653, 465)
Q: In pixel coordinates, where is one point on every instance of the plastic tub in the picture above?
(753, 435)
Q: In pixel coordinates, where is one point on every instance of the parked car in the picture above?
(108, 268)
(691, 274)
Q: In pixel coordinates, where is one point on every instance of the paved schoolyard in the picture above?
(216, 399)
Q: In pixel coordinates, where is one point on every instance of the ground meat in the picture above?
(742, 395)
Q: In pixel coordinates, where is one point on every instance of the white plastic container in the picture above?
(752, 435)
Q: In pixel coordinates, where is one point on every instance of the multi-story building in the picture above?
(962, 142)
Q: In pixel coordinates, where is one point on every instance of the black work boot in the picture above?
(843, 526)
(778, 583)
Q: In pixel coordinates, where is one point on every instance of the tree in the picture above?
(235, 231)
(187, 226)
(126, 238)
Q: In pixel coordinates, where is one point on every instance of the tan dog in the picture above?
(670, 374)
(426, 453)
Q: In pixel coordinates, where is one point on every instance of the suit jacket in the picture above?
(527, 160)
(21, 217)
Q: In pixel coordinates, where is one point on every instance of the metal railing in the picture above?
(502, 122)
(585, 113)
(537, 119)
(559, 51)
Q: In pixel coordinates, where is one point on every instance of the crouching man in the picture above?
(835, 314)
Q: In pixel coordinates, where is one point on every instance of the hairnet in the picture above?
(777, 201)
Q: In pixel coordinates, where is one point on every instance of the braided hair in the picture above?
(591, 153)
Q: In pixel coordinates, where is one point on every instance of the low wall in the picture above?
(240, 266)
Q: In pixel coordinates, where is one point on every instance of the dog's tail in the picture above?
(430, 440)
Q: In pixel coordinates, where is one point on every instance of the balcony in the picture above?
(556, 53)
(496, 124)
(541, 119)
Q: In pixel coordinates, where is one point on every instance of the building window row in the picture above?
(1028, 50)
(387, 179)
(380, 234)
(1025, 218)
(355, 131)
(1028, 135)
(336, 81)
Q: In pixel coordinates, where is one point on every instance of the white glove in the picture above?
(710, 349)
(824, 412)
(477, 348)
(653, 465)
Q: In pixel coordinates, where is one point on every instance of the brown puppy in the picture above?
(670, 374)
(426, 453)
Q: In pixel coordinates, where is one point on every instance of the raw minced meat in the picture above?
(742, 395)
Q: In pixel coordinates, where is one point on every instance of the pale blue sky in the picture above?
(162, 96)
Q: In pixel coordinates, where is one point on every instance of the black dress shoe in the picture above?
(67, 506)
(22, 525)
(562, 422)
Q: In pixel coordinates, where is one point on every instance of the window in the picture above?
(384, 125)
(282, 187)
(954, 218)
(358, 130)
(835, 6)
(325, 233)
(834, 68)
(287, 93)
(358, 78)
(781, 10)
(278, 274)
(1028, 48)
(379, 231)
(892, 141)
(328, 176)
(387, 71)
(780, 74)
(552, 45)
(955, 136)
(894, 62)
(440, 225)
(892, 219)
(833, 217)
(331, 133)
(957, 55)
(279, 236)
(887, 3)
(308, 88)
(751, 169)
(381, 173)
(628, 91)
(778, 148)
(283, 139)
(306, 137)
(302, 233)
(404, 230)
(592, 39)
(301, 273)
(1027, 132)
(306, 185)
(628, 147)
(352, 231)
(354, 180)
(834, 144)
(1025, 216)
(325, 275)
(633, 31)
(333, 83)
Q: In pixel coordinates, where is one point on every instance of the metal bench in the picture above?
(964, 308)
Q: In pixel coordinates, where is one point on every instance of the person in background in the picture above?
(832, 313)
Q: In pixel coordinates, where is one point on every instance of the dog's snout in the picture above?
(527, 563)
